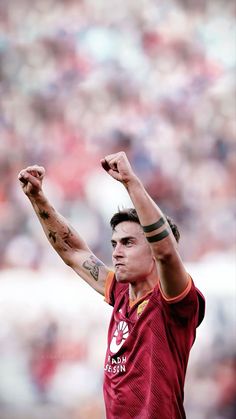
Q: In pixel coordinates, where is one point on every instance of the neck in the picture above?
(140, 288)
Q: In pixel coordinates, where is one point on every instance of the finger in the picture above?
(21, 176)
(110, 156)
(35, 170)
(115, 156)
(105, 165)
(109, 164)
(111, 159)
(38, 171)
(113, 163)
(22, 180)
(26, 177)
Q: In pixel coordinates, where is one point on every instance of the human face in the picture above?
(132, 256)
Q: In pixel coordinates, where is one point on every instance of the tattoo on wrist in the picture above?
(52, 235)
(154, 226)
(158, 237)
(92, 265)
(44, 215)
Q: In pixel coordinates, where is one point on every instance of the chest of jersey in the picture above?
(133, 334)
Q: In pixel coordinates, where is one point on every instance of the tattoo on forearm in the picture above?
(66, 237)
(154, 226)
(44, 215)
(158, 237)
(52, 235)
(93, 264)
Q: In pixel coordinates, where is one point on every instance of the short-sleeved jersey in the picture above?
(148, 349)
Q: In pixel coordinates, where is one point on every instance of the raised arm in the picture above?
(173, 276)
(61, 235)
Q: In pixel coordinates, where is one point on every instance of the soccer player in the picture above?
(157, 307)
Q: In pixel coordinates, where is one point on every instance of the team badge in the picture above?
(141, 307)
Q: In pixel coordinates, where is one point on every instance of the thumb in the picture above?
(105, 165)
(112, 172)
(27, 177)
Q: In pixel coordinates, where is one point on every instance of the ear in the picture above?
(154, 266)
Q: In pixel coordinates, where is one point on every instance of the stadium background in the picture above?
(80, 79)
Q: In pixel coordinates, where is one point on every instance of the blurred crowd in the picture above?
(51, 355)
(80, 79)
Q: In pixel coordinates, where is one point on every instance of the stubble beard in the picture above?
(121, 277)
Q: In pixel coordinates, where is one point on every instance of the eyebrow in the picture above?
(124, 239)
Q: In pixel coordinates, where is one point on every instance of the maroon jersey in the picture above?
(148, 349)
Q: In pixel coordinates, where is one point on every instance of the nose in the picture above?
(117, 252)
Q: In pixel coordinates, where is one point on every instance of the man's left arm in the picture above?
(173, 276)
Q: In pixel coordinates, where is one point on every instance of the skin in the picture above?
(70, 246)
(172, 274)
(132, 259)
(137, 262)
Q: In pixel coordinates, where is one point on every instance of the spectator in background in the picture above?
(44, 360)
(83, 70)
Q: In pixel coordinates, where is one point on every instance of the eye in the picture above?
(113, 244)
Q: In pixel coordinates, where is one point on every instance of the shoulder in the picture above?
(113, 289)
(190, 304)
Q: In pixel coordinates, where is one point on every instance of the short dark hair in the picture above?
(130, 214)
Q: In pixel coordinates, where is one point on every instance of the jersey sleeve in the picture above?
(190, 304)
(113, 288)
(109, 288)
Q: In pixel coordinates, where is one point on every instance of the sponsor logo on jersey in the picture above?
(116, 364)
(119, 337)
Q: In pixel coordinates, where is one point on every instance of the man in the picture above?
(156, 305)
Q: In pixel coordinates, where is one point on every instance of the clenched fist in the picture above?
(31, 179)
(118, 167)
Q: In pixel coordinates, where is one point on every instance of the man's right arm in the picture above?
(64, 239)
